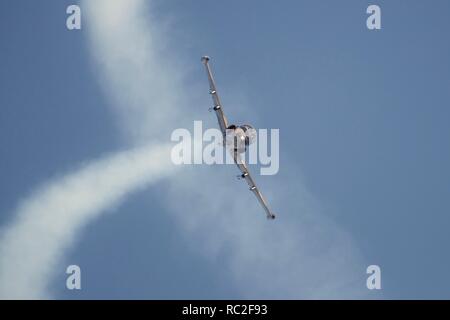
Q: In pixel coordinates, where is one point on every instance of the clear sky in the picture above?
(363, 115)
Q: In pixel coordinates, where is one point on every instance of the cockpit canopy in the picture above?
(239, 137)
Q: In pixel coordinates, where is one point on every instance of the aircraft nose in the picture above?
(205, 59)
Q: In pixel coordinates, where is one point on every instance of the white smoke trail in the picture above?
(138, 73)
(301, 255)
(48, 221)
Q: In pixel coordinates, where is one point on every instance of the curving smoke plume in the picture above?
(47, 222)
(301, 255)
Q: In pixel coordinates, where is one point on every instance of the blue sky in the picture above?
(363, 116)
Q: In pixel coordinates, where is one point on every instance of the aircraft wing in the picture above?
(251, 183)
(223, 123)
